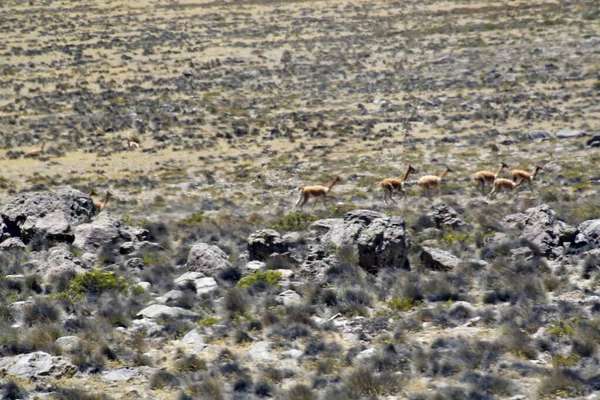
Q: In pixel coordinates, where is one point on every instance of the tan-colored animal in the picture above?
(429, 182)
(36, 151)
(486, 177)
(306, 192)
(99, 204)
(517, 174)
(504, 185)
(132, 145)
(390, 185)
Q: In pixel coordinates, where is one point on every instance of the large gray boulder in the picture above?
(107, 231)
(37, 365)
(263, 243)
(570, 133)
(207, 258)
(379, 240)
(588, 235)
(60, 260)
(46, 216)
(437, 259)
(541, 227)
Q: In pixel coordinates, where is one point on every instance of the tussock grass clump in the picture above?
(365, 382)
(300, 392)
(235, 303)
(77, 394)
(41, 312)
(89, 357)
(560, 383)
(11, 390)
(190, 363)
(162, 380)
(42, 338)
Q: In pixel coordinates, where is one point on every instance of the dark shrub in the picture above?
(40, 312)
(263, 389)
(162, 380)
(12, 391)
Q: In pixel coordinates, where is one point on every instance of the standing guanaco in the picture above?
(526, 176)
(390, 185)
(36, 151)
(483, 177)
(306, 192)
(504, 185)
(428, 182)
(99, 204)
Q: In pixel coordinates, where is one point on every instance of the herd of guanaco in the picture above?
(428, 183)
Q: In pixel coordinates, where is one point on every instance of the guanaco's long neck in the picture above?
(406, 174)
(535, 171)
(519, 183)
(105, 199)
(444, 173)
(43, 144)
(500, 169)
(333, 182)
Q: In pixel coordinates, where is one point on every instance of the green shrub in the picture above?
(297, 221)
(208, 321)
(270, 277)
(403, 304)
(96, 282)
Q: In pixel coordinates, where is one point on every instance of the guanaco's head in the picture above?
(92, 192)
(503, 165)
(448, 169)
(411, 169)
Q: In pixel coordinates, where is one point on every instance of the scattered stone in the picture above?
(171, 295)
(68, 343)
(187, 279)
(365, 354)
(261, 351)
(289, 298)
(253, 266)
(570, 133)
(144, 285)
(208, 259)
(594, 141)
(106, 232)
(156, 310)
(37, 365)
(206, 285)
(438, 259)
(121, 375)
(539, 136)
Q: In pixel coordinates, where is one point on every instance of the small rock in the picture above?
(121, 375)
(261, 351)
(539, 136)
(570, 133)
(365, 354)
(145, 285)
(437, 259)
(253, 266)
(289, 298)
(187, 279)
(68, 343)
(156, 310)
(171, 295)
(205, 285)
(12, 244)
(208, 259)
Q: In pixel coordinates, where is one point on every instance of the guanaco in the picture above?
(428, 182)
(483, 177)
(390, 185)
(504, 185)
(99, 204)
(36, 151)
(306, 192)
(132, 145)
(526, 176)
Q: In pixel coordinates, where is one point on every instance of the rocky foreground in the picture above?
(355, 307)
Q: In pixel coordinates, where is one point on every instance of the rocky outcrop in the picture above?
(542, 229)
(60, 260)
(445, 216)
(438, 259)
(263, 243)
(380, 241)
(45, 216)
(207, 259)
(37, 365)
(106, 232)
(588, 235)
